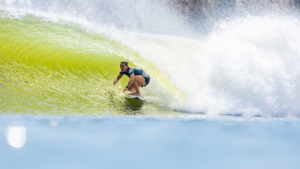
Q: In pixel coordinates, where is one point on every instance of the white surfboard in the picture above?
(134, 97)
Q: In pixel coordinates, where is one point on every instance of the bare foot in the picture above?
(136, 94)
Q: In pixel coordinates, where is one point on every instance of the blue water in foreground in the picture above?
(152, 142)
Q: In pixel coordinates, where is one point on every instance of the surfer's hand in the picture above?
(126, 89)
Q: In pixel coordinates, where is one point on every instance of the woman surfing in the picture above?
(137, 78)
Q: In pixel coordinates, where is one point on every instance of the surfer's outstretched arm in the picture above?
(118, 78)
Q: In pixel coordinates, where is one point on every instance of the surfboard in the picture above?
(135, 97)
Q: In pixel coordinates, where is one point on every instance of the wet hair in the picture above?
(126, 63)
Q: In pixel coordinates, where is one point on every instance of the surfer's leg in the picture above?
(140, 80)
(137, 89)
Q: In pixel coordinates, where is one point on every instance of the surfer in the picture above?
(137, 78)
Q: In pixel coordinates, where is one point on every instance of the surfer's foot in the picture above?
(136, 94)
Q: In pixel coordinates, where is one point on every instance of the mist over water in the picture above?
(246, 66)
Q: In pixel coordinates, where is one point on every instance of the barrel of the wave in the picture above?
(48, 66)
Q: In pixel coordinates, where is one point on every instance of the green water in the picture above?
(55, 69)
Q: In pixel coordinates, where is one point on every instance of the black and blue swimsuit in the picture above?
(137, 71)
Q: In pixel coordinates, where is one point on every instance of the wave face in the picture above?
(49, 67)
(57, 64)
